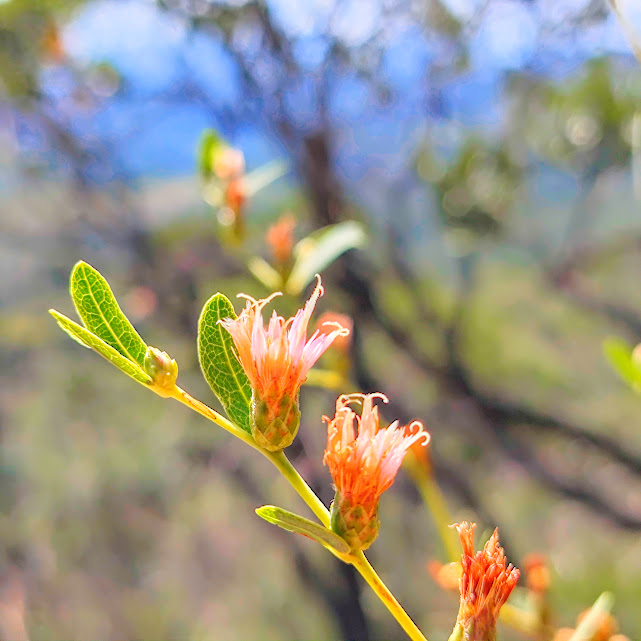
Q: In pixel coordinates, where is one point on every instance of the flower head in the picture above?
(363, 461)
(485, 584)
(276, 360)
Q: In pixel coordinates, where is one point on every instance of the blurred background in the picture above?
(490, 150)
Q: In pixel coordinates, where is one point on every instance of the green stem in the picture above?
(437, 506)
(282, 463)
(204, 410)
(360, 562)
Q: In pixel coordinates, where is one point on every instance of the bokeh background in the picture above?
(490, 148)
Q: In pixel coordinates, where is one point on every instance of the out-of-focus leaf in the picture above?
(318, 250)
(589, 626)
(87, 339)
(218, 361)
(619, 354)
(264, 176)
(264, 272)
(101, 314)
(295, 523)
(208, 144)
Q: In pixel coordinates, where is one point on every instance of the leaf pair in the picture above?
(110, 333)
(106, 329)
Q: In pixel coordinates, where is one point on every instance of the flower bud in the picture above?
(274, 420)
(354, 523)
(161, 367)
(280, 238)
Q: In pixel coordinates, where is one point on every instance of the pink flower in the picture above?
(276, 360)
(363, 461)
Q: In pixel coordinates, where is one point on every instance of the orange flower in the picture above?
(280, 238)
(363, 465)
(485, 585)
(276, 360)
(537, 574)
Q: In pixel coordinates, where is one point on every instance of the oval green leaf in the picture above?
(87, 339)
(219, 364)
(101, 314)
(295, 523)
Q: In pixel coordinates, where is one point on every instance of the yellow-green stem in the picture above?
(308, 495)
(360, 562)
(437, 506)
(284, 466)
(204, 410)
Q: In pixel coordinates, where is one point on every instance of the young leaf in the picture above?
(264, 176)
(318, 250)
(87, 339)
(294, 523)
(207, 145)
(218, 361)
(99, 311)
(619, 354)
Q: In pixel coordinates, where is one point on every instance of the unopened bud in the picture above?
(274, 420)
(280, 238)
(354, 523)
(161, 367)
(537, 574)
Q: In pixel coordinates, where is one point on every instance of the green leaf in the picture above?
(318, 250)
(294, 523)
(210, 142)
(218, 361)
(87, 339)
(99, 311)
(264, 176)
(619, 354)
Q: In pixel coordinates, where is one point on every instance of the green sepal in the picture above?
(91, 341)
(353, 523)
(300, 525)
(219, 364)
(101, 314)
(320, 249)
(275, 421)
